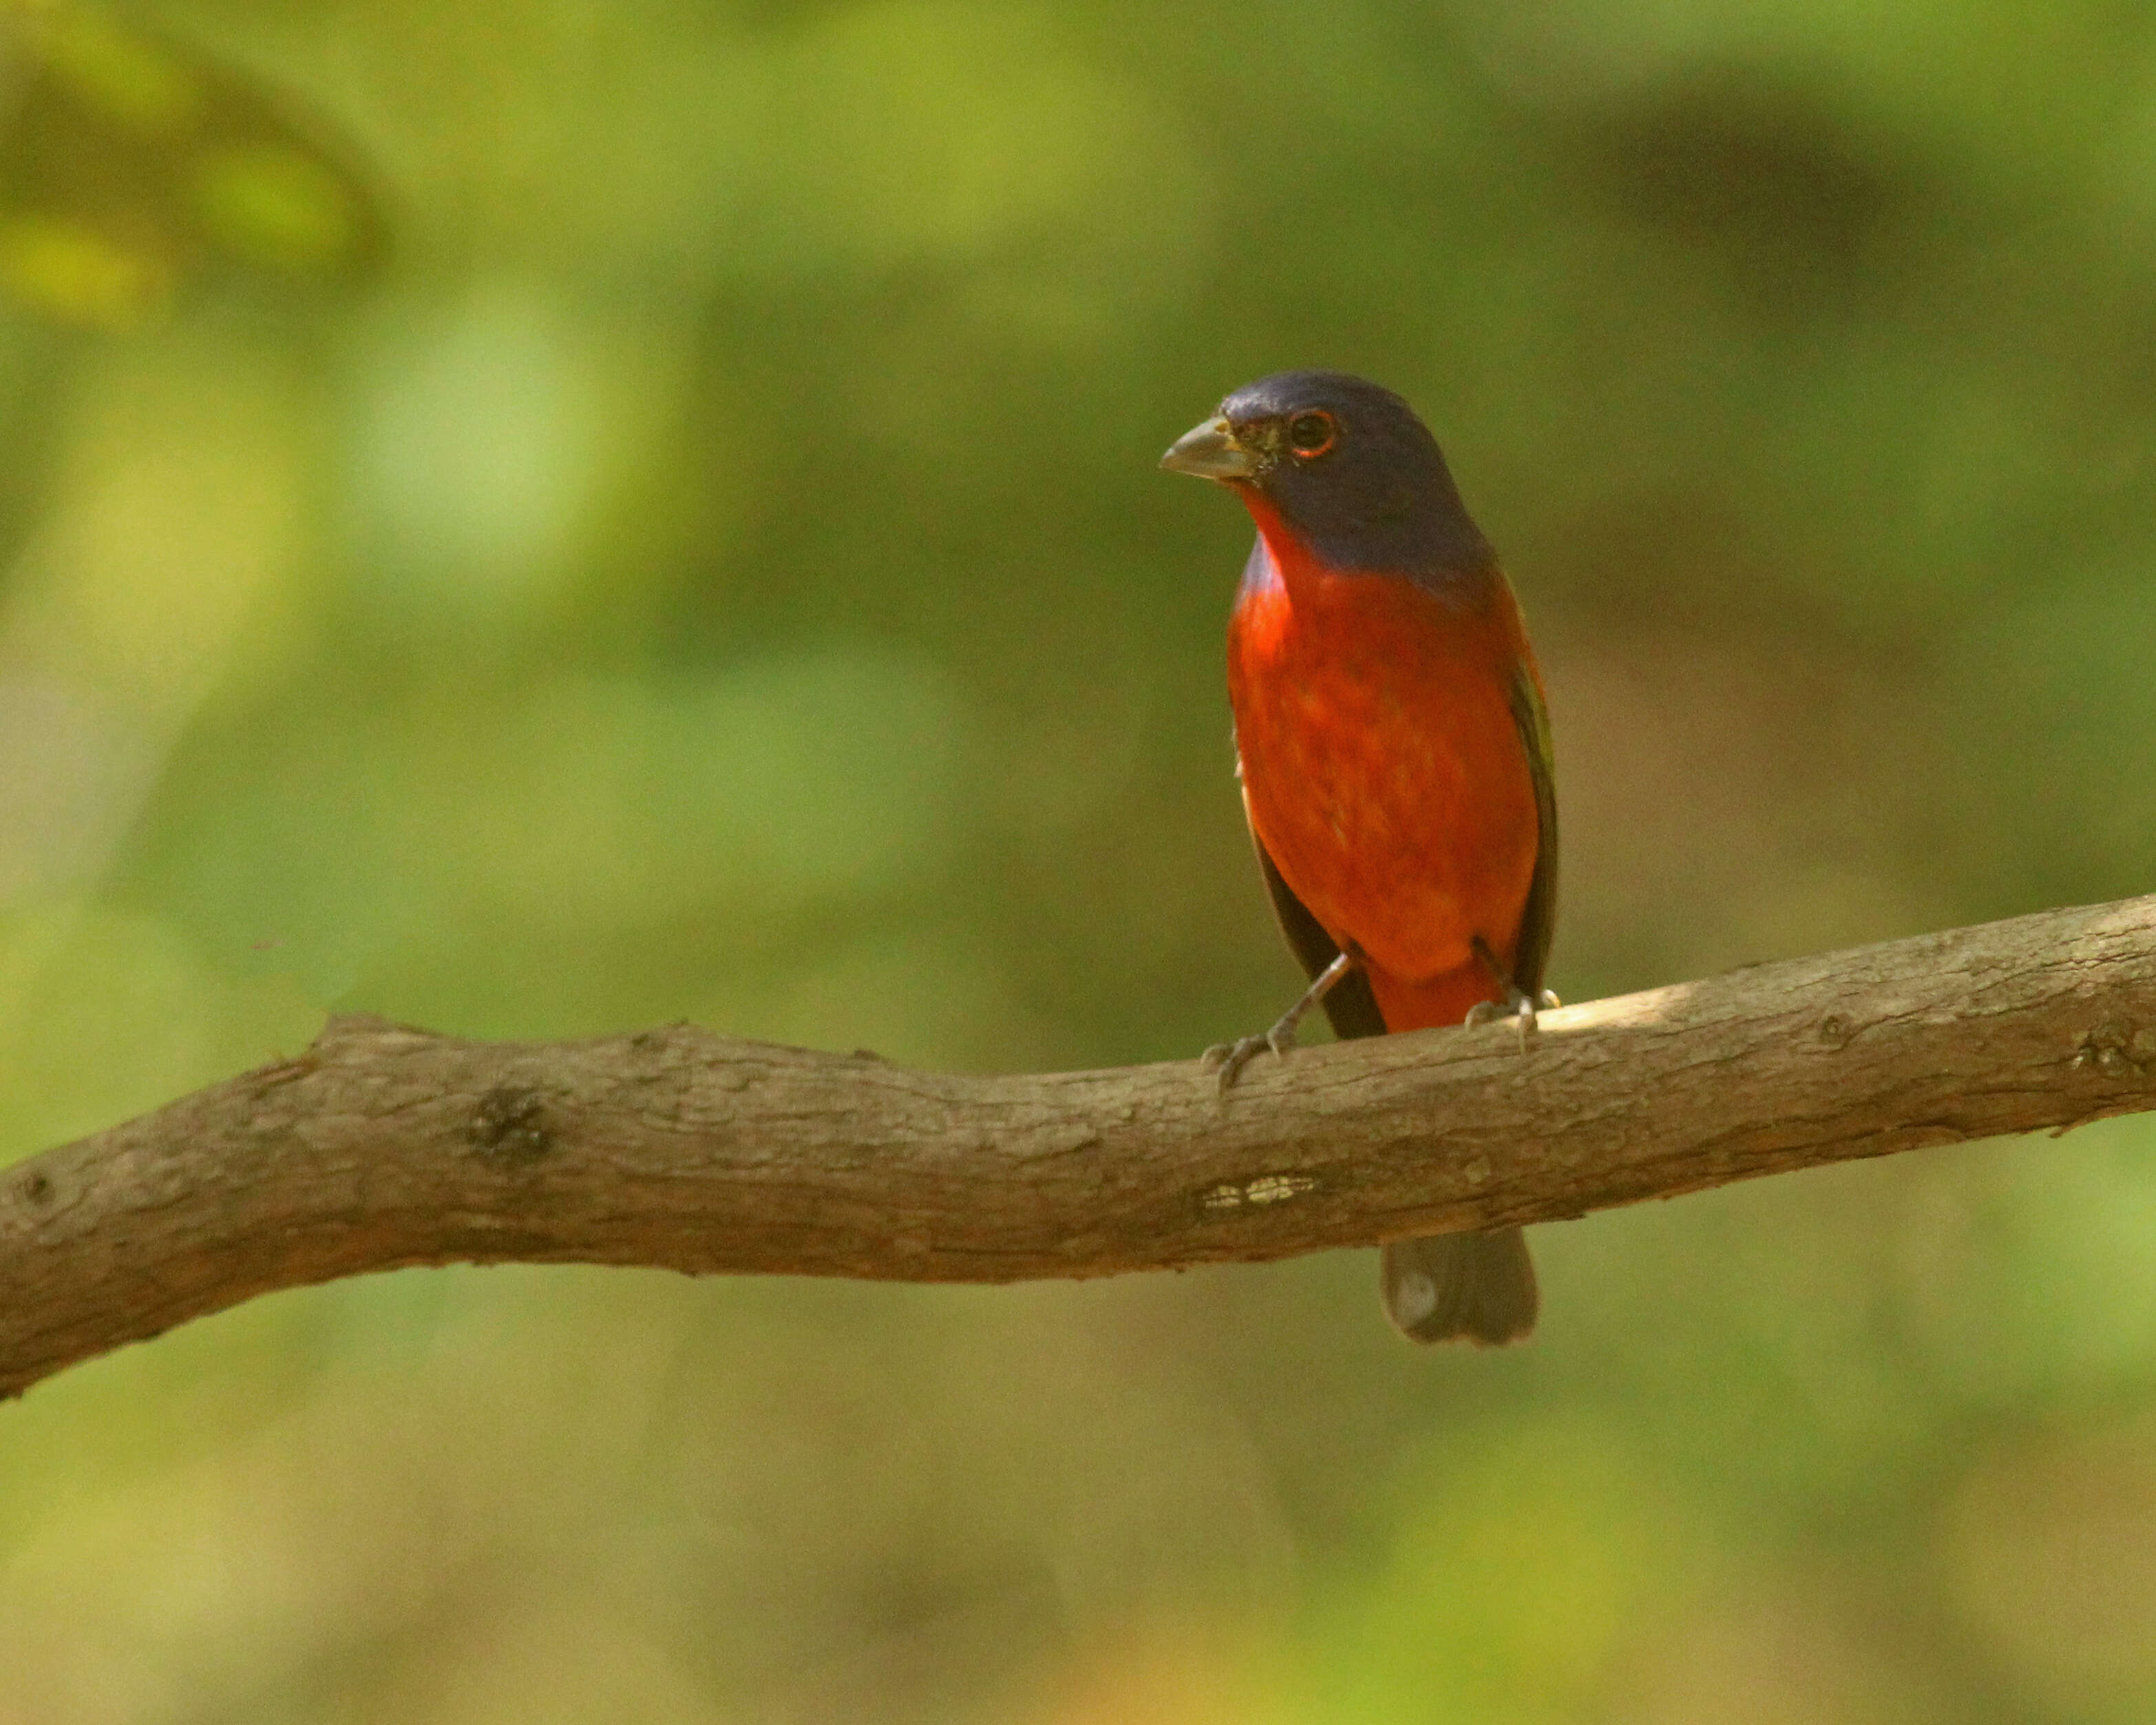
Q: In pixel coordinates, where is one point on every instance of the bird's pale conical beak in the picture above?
(1210, 451)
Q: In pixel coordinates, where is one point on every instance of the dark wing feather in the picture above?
(1538, 920)
(1351, 1005)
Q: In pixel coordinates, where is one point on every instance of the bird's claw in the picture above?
(1521, 1008)
(1230, 1058)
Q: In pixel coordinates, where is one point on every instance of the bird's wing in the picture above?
(1351, 1005)
(1538, 920)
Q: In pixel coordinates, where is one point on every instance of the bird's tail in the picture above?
(1472, 1287)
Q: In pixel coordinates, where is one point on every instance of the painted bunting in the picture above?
(1394, 751)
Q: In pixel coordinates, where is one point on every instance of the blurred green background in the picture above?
(537, 517)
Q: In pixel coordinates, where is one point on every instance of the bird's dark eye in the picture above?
(1312, 434)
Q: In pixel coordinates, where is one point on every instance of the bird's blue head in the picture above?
(1349, 469)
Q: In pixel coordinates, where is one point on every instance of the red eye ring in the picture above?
(1309, 435)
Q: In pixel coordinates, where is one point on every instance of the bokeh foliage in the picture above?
(714, 569)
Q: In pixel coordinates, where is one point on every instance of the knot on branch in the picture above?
(2116, 1049)
(510, 1122)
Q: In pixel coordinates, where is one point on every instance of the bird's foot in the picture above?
(1521, 1008)
(1229, 1059)
(1514, 1002)
(1518, 1008)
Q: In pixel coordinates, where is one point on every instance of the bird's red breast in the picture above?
(1382, 766)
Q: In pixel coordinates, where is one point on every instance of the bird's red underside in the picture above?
(1383, 770)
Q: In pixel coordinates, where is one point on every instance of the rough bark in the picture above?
(383, 1146)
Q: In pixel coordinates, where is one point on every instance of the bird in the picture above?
(1393, 741)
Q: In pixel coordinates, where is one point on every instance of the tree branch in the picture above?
(382, 1147)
